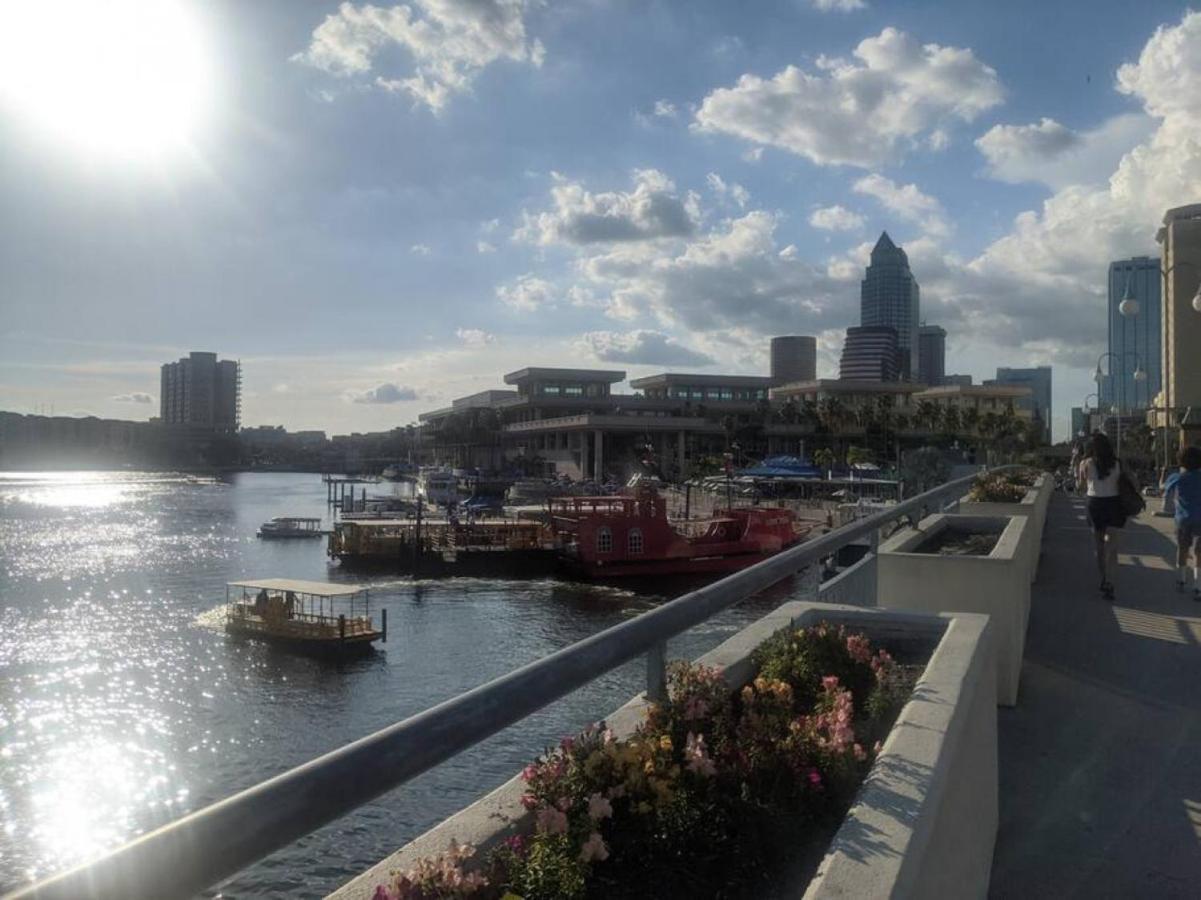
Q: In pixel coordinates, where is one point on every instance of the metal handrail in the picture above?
(184, 857)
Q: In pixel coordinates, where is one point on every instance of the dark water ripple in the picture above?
(123, 705)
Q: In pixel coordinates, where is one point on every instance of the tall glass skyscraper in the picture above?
(889, 297)
(1133, 340)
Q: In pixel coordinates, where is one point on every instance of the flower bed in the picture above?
(1024, 492)
(708, 797)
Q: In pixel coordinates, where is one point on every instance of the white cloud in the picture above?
(654, 209)
(754, 155)
(728, 190)
(475, 337)
(835, 218)
(385, 393)
(838, 5)
(861, 112)
(421, 249)
(134, 397)
(907, 202)
(1050, 153)
(527, 293)
(650, 348)
(484, 247)
(450, 41)
(665, 109)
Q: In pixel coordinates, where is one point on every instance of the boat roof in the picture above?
(296, 519)
(317, 588)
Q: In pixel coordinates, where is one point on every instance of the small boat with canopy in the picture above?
(291, 527)
(307, 616)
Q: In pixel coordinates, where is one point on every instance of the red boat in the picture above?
(609, 537)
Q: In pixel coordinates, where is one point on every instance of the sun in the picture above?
(122, 77)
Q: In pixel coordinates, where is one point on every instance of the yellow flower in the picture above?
(665, 743)
(649, 766)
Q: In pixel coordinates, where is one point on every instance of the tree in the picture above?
(789, 413)
(823, 457)
(951, 421)
(859, 455)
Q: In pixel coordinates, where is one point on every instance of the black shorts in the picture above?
(1106, 512)
(1187, 532)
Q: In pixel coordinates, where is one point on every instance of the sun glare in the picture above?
(128, 78)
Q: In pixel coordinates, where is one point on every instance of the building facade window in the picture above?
(604, 540)
(634, 541)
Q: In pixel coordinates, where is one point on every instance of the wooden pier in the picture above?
(336, 489)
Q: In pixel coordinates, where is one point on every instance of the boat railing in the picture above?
(189, 855)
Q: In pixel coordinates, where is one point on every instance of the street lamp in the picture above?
(1119, 394)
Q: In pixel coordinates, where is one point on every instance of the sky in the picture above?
(378, 208)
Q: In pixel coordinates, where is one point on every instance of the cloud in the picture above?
(665, 110)
(859, 113)
(484, 247)
(527, 293)
(653, 209)
(385, 393)
(450, 42)
(1052, 154)
(838, 5)
(728, 190)
(474, 337)
(907, 202)
(835, 218)
(420, 250)
(650, 348)
(134, 397)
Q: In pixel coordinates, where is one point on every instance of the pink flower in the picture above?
(567, 743)
(594, 848)
(516, 843)
(564, 803)
(382, 893)
(859, 648)
(599, 808)
(551, 820)
(815, 778)
(529, 801)
(830, 683)
(859, 753)
(530, 772)
(698, 757)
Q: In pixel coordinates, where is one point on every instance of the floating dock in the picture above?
(441, 547)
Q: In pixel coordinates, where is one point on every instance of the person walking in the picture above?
(1185, 487)
(1099, 473)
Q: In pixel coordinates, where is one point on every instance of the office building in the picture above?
(961, 380)
(1134, 337)
(1080, 423)
(889, 297)
(1180, 332)
(1038, 402)
(201, 391)
(870, 353)
(932, 353)
(793, 358)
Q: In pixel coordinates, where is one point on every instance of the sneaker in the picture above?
(1180, 585)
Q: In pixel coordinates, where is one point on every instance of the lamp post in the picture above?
(1120, 393)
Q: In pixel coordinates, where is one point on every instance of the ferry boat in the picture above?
(291, 527)
(630, 535)
(306, 616)
(438, 486)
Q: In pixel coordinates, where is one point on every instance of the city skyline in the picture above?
(372, 236)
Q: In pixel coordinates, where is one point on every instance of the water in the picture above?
(123, 705)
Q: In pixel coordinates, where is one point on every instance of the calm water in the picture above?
(124, 705)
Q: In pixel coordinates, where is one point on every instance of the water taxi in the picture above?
(291, 527)
(306, 616)
(438, 486)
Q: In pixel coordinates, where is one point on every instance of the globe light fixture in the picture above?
(1128, 307)
(1197, 300)
(1139, 374)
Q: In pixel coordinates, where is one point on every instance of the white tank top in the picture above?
(1103, 487)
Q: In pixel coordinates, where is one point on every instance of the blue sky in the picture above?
(427, 196)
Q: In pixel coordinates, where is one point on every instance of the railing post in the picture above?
(872, 571)
(656, 673)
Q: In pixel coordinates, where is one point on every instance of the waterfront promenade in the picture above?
(1101, 760)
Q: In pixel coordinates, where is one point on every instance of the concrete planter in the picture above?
(925, 820)
(1033, 506)
(997, 584)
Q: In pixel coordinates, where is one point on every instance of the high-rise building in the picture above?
(869, 354)
(1134, 337)
(932, 354)
(1079, 423)
(201, 391)
(889, 296)
(1180, 334)
(961, 380)
(793, 359)
(1039, 381)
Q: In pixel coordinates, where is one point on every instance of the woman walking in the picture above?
(1185, 486)
(1099, 473)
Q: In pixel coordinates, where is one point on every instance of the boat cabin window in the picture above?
(604, 540)
(634, 541)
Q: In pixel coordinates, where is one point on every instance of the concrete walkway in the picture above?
(1101, 759)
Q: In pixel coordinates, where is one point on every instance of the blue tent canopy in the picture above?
(782, 467)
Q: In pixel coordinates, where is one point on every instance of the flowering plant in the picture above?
(1003, 488)
(677, 803)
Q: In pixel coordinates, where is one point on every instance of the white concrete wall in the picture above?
(942, 754)
(1028, 508)
(997, 585)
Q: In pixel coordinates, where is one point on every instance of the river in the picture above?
(124, 705)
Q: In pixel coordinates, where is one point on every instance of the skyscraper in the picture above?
(869, 354)
(793, 358)
(1134, 339)
(201, 391)
(1039, 381)
(889, 296)
(932, 354)
(1181, 327)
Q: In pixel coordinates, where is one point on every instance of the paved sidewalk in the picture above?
(1101, 759)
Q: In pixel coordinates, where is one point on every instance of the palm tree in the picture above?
(970, 418)
(951, 421)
